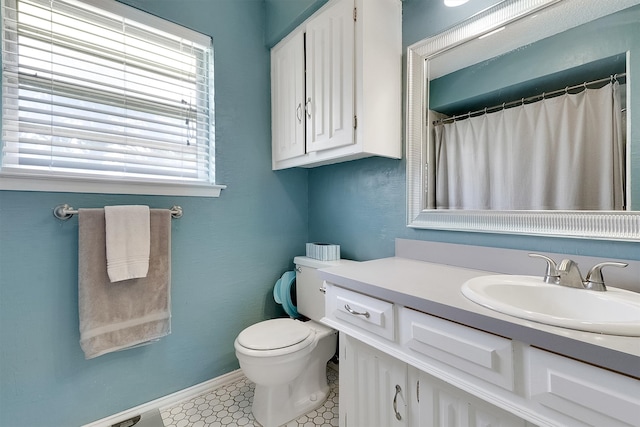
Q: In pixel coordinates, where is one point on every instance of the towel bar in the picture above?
(64, 212)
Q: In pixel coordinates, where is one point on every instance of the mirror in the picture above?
(515, 29)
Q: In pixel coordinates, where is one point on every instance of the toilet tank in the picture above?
(309, 297)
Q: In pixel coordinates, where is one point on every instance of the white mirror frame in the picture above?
(606, 225)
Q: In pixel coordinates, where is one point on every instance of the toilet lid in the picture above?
(273, 334)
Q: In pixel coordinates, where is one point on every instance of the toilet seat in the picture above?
(275, 337)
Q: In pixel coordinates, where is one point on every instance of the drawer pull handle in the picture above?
(395, 403)
(356, 313)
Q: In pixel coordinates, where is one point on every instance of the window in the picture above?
(96, 94)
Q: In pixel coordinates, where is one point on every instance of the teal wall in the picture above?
(361, 205)
(587, 52)
(282, 16)
(227, 253)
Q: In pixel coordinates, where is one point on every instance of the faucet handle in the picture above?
(551, 274)
(595, 280)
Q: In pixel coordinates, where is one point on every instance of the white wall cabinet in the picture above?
(287, 98)
(330, 64)
(451, 375)
(336, 85)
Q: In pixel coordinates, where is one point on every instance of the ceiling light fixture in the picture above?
(454, 3)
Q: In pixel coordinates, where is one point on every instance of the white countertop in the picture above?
(435, 289)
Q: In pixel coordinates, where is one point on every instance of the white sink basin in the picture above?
(614, 312)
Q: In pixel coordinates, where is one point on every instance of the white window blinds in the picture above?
(101, 91)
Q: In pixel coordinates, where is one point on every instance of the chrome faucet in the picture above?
(551, 274)
(568, 274)
(595, 280)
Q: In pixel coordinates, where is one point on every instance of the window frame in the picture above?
(79, 182)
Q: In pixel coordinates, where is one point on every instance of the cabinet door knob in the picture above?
(299, 113)
(395, 403)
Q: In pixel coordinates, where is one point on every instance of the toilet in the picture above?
(286, 358)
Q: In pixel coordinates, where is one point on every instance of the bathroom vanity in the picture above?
(415, 352)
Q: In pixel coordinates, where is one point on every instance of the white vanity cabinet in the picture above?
(373, 387)
(378, 390)
(437, 403)
(360, 312)
(580, 394)
(336, 85)
(465, 353)
(449, 374)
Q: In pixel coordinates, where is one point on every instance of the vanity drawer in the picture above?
(436, 341)
(367, 313)
(580, 394)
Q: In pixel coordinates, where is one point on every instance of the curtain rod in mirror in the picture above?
(528, 99)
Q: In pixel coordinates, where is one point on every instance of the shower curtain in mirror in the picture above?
(565, 152)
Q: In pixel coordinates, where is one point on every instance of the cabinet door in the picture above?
(579, 394)
(433, 402)
(372, 386)
(287, 98)
(330, 60)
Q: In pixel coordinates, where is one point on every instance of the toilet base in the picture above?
(274, 406)
(289, 385)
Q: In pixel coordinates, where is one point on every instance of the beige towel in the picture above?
(115, 316)
(127, 236)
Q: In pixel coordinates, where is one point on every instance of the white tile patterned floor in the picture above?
(230, 406)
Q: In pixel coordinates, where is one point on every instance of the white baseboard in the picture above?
(169, 400)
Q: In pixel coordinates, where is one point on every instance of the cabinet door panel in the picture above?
(371, 314)
(287, 99)
(437, 341)
(437, 403)
(587, 394)
(482, 414)
(370, 387)
(330, 73)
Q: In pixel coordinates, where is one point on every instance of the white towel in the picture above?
(127, 240)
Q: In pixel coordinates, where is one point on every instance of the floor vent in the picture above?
(128, 423)
(148, 419)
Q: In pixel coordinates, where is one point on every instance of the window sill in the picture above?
(70, 185)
